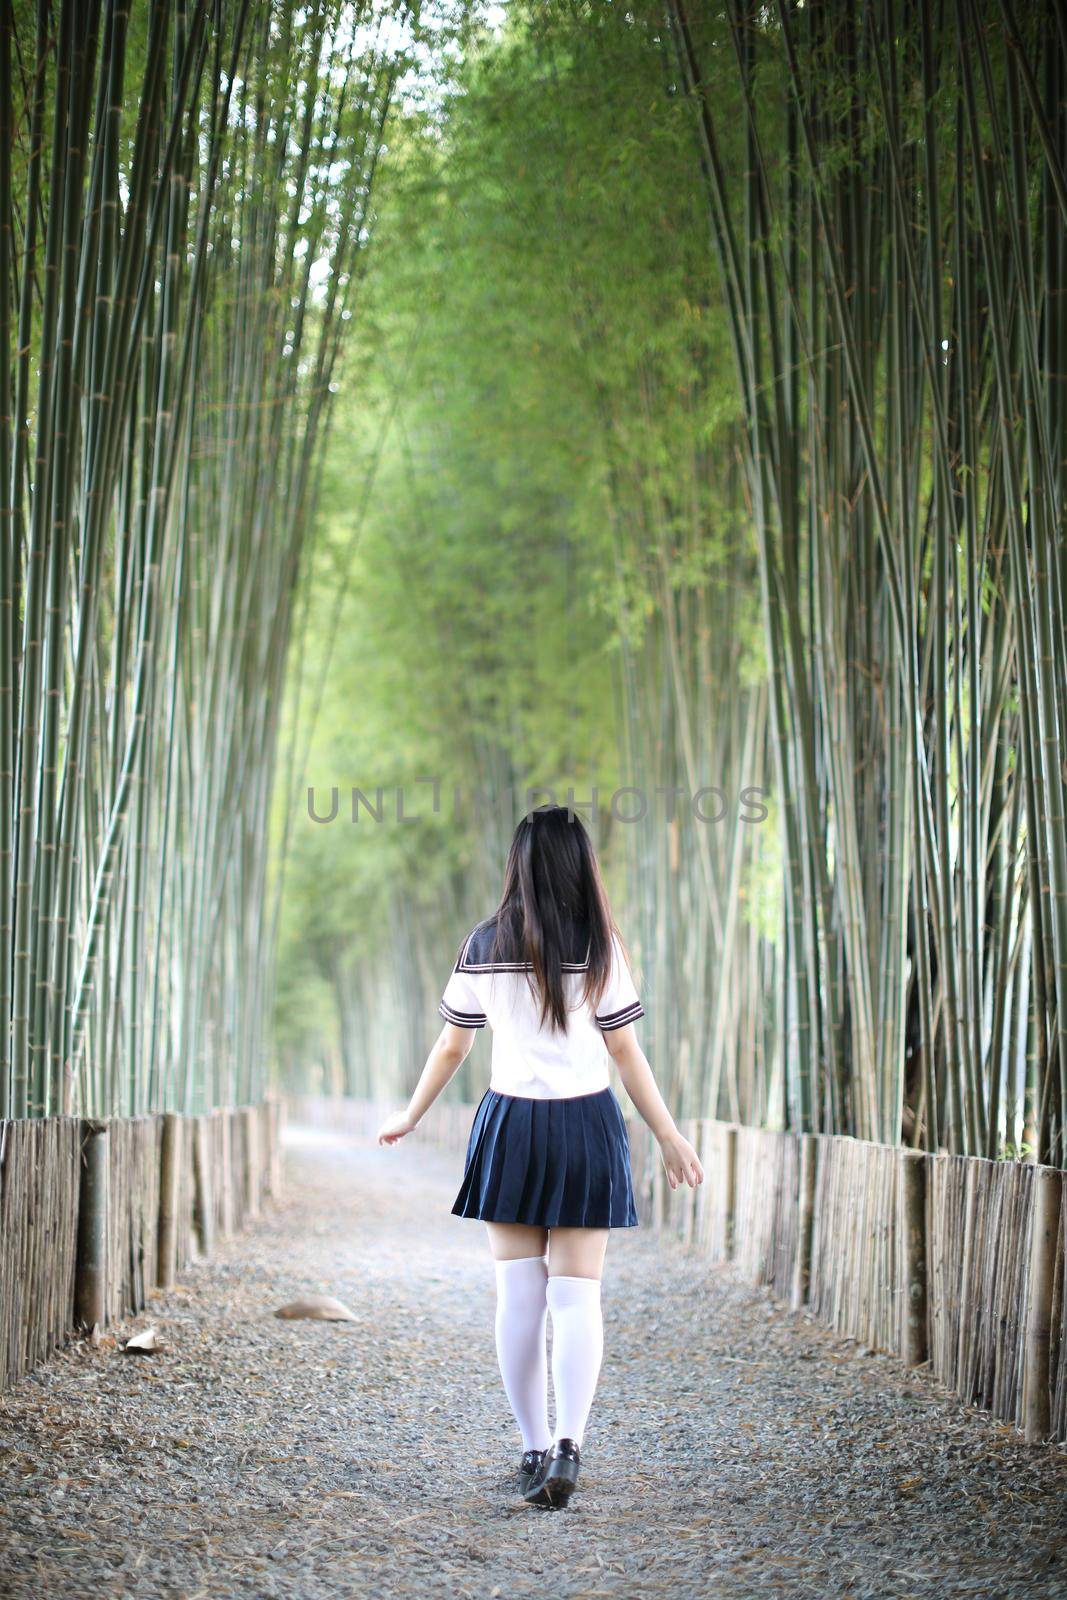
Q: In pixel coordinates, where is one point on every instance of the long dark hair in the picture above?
(553, 908)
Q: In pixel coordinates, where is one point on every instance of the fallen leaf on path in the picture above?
(143, 1344)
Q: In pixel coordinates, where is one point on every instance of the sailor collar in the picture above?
(474, 956)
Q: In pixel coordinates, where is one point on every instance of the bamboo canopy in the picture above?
(792, 350)
(892, 267)
(741, 416)
(185, 195)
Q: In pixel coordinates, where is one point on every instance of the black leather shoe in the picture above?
(530, 1468)
(558, 1478)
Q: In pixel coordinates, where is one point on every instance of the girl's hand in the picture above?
(396, 1127)
(681, 1161)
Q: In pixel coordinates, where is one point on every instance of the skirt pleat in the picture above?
(549, 1163)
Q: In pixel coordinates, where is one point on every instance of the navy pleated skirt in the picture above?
(549, 1163)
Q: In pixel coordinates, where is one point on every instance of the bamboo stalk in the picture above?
(204, 1206)
(912, 1182)
(170, 1166)
(805, 1221)
(91, 1275)
(1044, 1240)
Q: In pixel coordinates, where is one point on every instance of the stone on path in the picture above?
(317, 1308)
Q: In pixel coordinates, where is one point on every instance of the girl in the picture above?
(548, 1159)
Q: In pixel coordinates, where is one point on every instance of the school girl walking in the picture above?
(548, 1160)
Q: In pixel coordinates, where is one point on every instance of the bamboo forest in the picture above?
(420, 419)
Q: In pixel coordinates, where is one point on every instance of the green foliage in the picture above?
(761, 883)
(520, 457)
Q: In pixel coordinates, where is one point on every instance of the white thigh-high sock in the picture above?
(577, 1350)
(521, 1323)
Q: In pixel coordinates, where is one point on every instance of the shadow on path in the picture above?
(732, 1450)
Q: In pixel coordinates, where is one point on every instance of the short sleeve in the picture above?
(460, 1004)
(619, 1004)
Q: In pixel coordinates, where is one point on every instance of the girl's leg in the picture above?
(521, 1325)
(514, 1241)
(577, 1252)
(575, 1263)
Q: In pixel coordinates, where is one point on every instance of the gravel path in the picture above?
(733, 1450)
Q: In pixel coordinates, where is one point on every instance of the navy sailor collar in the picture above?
(474, 957)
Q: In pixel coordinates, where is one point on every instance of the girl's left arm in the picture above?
(443, 1062)
(679, 1158)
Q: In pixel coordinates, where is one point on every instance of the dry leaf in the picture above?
(143, 1344)
(319, 1308)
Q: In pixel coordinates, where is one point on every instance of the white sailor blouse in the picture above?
(530, 1060)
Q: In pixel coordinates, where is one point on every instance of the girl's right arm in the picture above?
(679, 1157)
(443, 1062)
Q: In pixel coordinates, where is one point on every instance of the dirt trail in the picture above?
(733, 1450)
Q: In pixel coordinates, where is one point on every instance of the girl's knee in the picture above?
(577, 1252)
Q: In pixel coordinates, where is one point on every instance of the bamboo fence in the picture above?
(133, 1212)
(765, 1243)
(855, 1270)
(1058, 1357)
(38, 1231)
(956, 1262)
(166, 1196)
(979, 1264)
